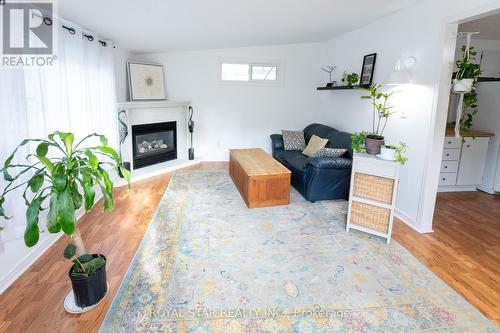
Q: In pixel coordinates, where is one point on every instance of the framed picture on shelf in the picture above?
(368, 69)
(145, 81)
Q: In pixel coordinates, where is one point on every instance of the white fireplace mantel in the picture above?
(146, 112)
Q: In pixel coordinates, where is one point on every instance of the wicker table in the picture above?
(372, 195)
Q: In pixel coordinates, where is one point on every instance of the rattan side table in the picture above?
(372, 195)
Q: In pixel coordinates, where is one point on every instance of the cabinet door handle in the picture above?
(447, 154)
(446, 167)
(468, 146)
(449, 142)
(444, 179)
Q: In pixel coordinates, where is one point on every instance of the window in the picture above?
(230, 70)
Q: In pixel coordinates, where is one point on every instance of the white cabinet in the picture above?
(472, 160)
(372, 195)
(463, 163)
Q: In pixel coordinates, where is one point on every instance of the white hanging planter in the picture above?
(462, 85)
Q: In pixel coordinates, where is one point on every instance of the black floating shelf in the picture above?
(338, 88)
(488, 79)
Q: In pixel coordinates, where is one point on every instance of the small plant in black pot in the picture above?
(381, 113)
(63, 177)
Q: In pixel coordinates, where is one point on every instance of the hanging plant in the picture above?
(465, 82)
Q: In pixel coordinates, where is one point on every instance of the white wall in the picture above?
(235, 115)
(120, 57)
(420, 31)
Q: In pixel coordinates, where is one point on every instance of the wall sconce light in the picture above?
(401, 74)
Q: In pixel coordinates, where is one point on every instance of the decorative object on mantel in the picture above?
(464, 84)
(64, 175)
(372, 195)
(350, 79)
(329, 70)
(145, 81)
(123, 133)
(368, 70)
(191, 130)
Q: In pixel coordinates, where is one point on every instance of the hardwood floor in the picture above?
(464, 251)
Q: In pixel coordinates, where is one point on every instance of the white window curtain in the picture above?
(76, 95)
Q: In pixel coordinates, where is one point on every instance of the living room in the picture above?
(257, 188)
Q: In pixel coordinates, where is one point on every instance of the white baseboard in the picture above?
(35, 253)
(457, 188)
(406, 219)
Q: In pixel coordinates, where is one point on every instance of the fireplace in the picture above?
(154, 143)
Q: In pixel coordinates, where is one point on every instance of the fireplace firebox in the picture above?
(154, 143)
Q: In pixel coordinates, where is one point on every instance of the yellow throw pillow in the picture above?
(314, 145)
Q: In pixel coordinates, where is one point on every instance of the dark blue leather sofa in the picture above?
(318, 178)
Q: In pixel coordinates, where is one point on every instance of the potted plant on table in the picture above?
(380, 115)
(63, 179)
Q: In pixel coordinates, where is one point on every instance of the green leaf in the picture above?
(36, 182)
(107, 190)
(109, 151)
(60, 180)
(69, 251)
(68, 139)
(42, 149)
(104, 140)
(46, 163)
(52, 223)
(93, 160)
(76, 196)
(125, 173)
(89, 195)
(32, 233)
(66, 212)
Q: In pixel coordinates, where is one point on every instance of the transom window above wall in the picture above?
(269, 72)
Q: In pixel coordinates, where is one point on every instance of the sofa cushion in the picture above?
(292, 159)
(315, 144)
(336, 138)
(293, 140)
(330, 152)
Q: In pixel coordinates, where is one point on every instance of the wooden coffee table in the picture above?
(261, 180)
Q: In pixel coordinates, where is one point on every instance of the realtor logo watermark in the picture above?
(28, 35)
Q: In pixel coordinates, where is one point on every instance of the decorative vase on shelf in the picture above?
(373, 144)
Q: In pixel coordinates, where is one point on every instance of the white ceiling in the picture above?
(156, 25)
(489, 27)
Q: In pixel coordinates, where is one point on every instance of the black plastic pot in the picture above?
(89, 291)
(373, 144)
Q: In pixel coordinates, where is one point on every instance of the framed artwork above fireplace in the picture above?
(145, 81)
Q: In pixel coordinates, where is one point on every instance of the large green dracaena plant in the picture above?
(64, 180)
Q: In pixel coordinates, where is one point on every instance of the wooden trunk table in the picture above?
(261, 180)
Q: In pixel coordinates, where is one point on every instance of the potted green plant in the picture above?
(63, 178)
(350, 78)
(467, 71)
(381, 114)
(394, 152)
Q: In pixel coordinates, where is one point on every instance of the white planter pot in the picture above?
(462, 86)
(387, 153)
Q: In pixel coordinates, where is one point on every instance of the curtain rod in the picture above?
(48, 21)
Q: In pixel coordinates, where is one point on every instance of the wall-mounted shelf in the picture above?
(336, 88)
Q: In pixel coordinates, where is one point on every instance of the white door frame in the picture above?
(438, 122)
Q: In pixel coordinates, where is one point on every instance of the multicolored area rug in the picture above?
(210, 264)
